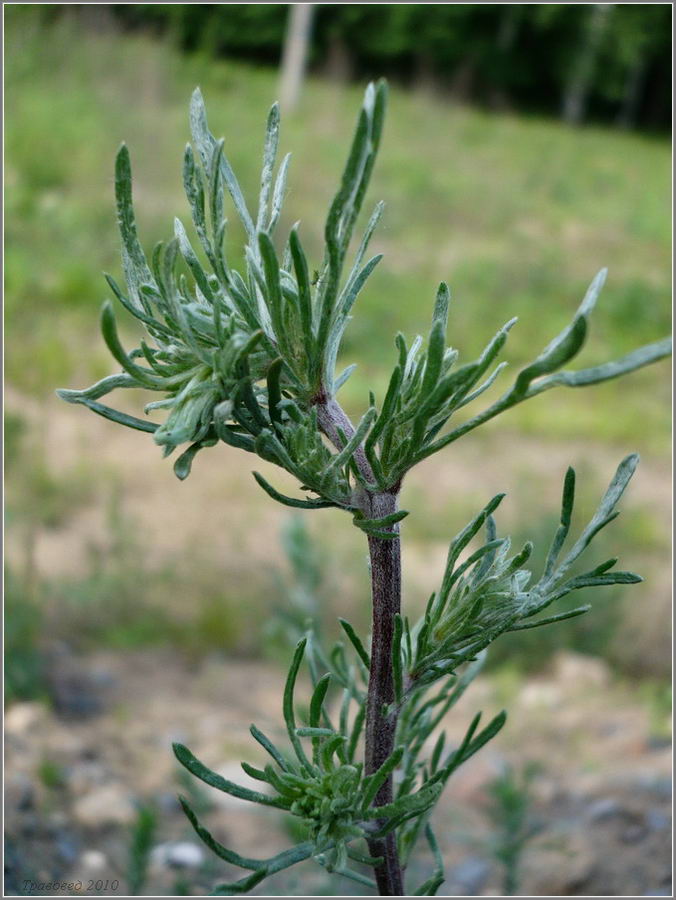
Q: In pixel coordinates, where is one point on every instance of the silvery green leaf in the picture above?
(644, 356)
(362, 653)
(278, 193)
(136, 265)
(290, 501)
(564, 346)
(269, 156)
(193, 263)
(603, 514)
(213, 779)
(206, 143)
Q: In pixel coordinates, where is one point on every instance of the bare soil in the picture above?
(600, 804)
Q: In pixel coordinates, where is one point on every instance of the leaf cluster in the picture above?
(243, 357)
(247, 355)
(319, 781)
(427, 389)
(490, 593)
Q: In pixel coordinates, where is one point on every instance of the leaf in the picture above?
(644, 356)
(269, 155)
(304, 294)
(287, 705)
(603, 515)
(374, 527)
(432, 885)
(485, 736)
(192, 261)
(194, 766)
(341, 458)
(317, 700)
(565, 345)
(362, 653)
(397, 676)
(566, 513)
(290, 501)
(112, 415)
(461, 540)
(144, 377)
(570, 614)
(373, 783)
(440, 313)
(411, 804)
(206, 143)
(270, 867)
(274, 390)
(317, 733)
(267, 744)
(278, 193)
(183, 464)
(205, 836)
(136, 269)
(274, 290)
(388, 409)
(153, 326)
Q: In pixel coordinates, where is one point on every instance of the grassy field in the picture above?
(516, 214)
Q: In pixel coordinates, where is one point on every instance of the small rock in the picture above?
(66, 847)
(178, 855)
(603, 809)
(536, 694)
(30, 825)
(633, 834)
(656, 820)
(75, 694)
(557, 864)
(58, 819)
(658, 742)
(167, 802)
(578, 669)
(22, 718)
(108, 805)
(469, 877)
(19, 792)
(93, 861)
(660, 786)
(82, 777)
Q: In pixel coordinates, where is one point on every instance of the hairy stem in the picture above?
(332, 417)
(381, 718)
(385, 558)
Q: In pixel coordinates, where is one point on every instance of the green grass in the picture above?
(517, 214)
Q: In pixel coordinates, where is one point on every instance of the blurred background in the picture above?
(525, 147)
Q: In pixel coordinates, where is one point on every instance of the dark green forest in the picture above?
(593, 62)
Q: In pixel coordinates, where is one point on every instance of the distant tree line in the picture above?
(606, 62)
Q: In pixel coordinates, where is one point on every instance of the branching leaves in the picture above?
(490, 593)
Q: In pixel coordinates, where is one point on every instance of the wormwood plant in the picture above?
(247, 356)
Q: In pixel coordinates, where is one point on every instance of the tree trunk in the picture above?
(294, 56)
(633, 89)
(579, 86)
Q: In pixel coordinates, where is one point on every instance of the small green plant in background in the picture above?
(247, 356)
(509, 811)
(299, 594)
(141, 843)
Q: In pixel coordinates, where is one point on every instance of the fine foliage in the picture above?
(247, 356)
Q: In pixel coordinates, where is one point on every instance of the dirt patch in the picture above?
(601, 800)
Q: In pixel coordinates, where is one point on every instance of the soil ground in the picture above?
(599, 803)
